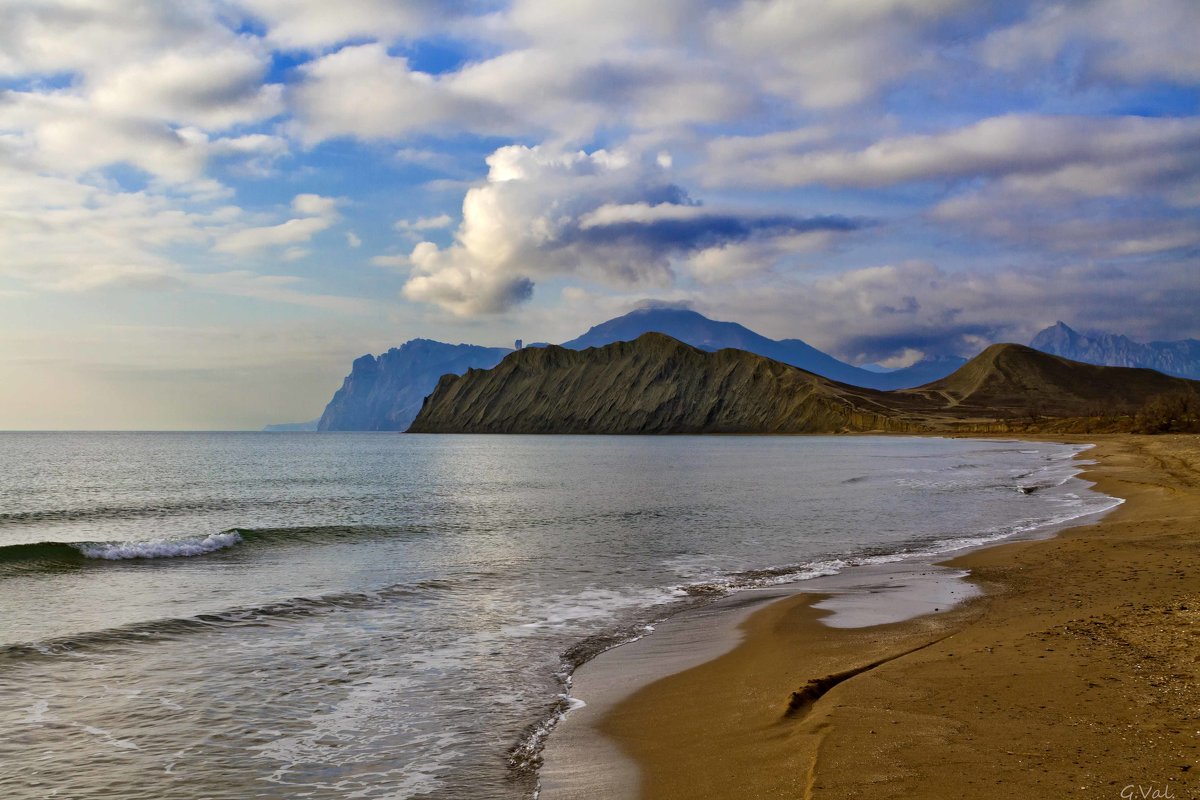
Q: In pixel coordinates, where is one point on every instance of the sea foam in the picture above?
(159, 548)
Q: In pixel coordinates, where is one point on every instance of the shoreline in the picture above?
(780, 703)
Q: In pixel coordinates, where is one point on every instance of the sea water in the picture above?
(243, 615)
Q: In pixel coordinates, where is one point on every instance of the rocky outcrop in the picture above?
(385, 393)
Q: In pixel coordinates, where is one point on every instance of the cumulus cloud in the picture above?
(601, 216)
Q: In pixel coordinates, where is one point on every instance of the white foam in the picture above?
(159, 548)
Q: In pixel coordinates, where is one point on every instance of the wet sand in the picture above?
(1074, 674)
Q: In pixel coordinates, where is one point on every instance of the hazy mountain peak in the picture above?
(692, 327)
(1180, 358)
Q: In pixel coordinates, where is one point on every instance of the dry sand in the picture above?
(1074, 676)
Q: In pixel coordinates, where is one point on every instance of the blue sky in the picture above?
(208, 209)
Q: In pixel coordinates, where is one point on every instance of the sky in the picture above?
(209, 208)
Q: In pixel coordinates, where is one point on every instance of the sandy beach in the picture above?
(1073, 672)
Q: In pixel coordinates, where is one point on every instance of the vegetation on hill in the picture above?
(1170, 413)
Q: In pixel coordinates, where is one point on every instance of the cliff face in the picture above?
(701, 332)
(654, 384)
(385, 393)
(1180, 358)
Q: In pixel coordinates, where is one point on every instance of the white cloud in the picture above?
(353, 240)
(214, 89)
(1052, 220)
(287, 289)
(640, 213)
(56, 36)
(320, 213)
(58, 234)
(607, 217)
(314, 205)
(517, 226)
(61, 133)
(905, 358)
(829, 53)
(144, 84)
(553, 77)
(1123, 40)
(311, 24)
(424, 223)
(1080, 153)
(362, 91)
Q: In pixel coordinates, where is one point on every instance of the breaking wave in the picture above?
(67, 555)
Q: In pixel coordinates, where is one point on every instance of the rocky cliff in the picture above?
(385, 393)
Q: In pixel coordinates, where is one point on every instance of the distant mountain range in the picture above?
(385, 393)
(657, 384)
(701, 332)
(1180, 358)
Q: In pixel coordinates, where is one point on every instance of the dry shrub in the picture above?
(1170, 413)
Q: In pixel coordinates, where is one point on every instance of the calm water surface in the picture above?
(385, 616)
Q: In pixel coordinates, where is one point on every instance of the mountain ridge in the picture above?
(1180, 358)
(384, 393)
(692, 327)
(656, 384)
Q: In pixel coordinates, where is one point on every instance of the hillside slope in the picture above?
(654, 384)
(1010, 378)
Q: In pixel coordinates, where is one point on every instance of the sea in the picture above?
(305, 615)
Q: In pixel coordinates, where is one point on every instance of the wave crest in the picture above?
(159, 548)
